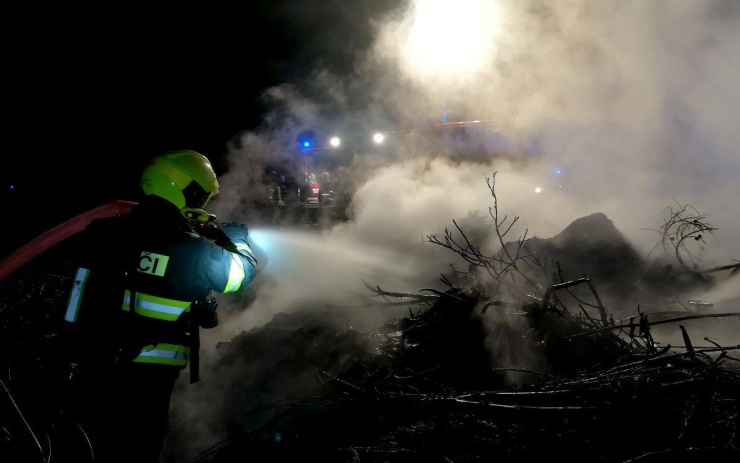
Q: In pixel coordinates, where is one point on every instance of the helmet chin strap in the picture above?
(197, 215)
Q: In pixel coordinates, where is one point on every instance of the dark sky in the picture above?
(91, 95)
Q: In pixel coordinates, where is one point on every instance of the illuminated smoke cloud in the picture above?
(618, 107)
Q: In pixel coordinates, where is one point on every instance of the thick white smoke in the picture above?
(630, 103)
(633, 102)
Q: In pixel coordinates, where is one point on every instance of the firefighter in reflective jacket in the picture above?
(313, 200)
(143, 288)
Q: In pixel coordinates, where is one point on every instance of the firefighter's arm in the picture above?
(238, 261)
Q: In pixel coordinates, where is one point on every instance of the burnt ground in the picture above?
(596, 386)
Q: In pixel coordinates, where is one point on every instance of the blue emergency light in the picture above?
(306, 139)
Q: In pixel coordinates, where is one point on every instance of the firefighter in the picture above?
(327, 198)
(143, 288)
(313, 200)
(276, 192)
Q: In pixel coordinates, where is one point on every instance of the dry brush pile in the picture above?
(514, 359)
(511, 361)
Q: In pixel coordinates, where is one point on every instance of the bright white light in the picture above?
(334, 141)
(378, 138)
(538, 190)
(452, 37)
(260, 237)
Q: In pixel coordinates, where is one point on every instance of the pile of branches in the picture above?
(429, 391)
(34, 427)
(438, 385)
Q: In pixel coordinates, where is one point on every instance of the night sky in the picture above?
(91, 95)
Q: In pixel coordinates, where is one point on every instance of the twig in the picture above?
(23, 418)
(659, 322)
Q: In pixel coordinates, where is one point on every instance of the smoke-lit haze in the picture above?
(635, 102)
(632, 101)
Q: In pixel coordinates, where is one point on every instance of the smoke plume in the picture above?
(620, 107)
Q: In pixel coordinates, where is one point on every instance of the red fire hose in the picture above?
(49, 239)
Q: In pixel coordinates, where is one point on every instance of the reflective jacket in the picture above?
(314, 195)
(138, 280)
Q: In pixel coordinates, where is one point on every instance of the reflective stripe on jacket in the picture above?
(160, 308)
(164, 354)
(75, 295)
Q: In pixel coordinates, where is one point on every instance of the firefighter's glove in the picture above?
(204, 313)
(237, 232)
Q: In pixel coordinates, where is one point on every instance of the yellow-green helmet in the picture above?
(185, 178)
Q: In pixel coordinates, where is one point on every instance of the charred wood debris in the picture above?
(512, 360)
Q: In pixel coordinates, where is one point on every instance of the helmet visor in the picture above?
(195, 195)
